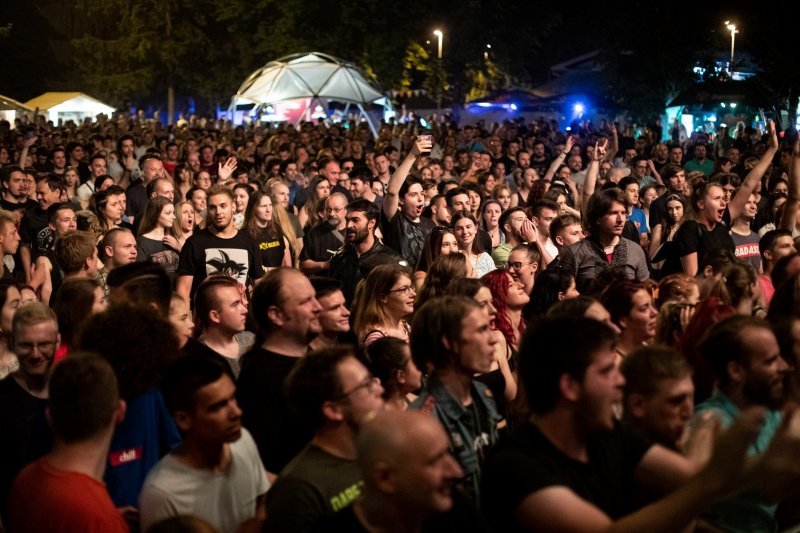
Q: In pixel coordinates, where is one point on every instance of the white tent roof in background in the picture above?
(9, 104)
(308, 75)
(69, 102)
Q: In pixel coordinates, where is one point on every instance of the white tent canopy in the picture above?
(315, 78)
(69, 106)
(10, 109)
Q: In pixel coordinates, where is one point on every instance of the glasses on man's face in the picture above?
(517, 265)
(405, 289)
(369, 384)
(28, 347)
(334, 209)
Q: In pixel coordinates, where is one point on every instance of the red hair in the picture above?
(498, 281)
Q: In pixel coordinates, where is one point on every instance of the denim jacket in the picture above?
(470, 435)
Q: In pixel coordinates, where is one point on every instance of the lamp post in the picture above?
(734, 31)
(439, 34)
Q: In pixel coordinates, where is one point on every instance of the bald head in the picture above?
(405, 460)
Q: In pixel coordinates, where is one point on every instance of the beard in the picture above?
(764, 393)
(356, 236)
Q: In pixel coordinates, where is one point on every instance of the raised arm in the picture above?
(391, 202)
(789, 217)
(613, 147)
(591, 173)
(753, 178)
(559, 159)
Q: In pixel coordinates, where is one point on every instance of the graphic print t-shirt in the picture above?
(205, 254)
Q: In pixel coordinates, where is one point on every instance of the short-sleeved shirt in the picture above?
(278, 432)
(159, 253)
(271, 246)
(224, 500)
(404, 236)
(45, 498)
(527, 462)
(693, 237)
(747, 249)
(205, 254)
(311, 489)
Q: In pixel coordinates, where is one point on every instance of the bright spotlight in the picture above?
(578, 108)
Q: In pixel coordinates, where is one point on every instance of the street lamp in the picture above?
(734, 31)
(438, 33)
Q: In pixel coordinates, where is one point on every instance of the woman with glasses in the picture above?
(465, 229)
(383, 303)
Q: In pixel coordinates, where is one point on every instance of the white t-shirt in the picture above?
(225, 500)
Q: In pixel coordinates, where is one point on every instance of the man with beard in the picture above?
(573, 467)
(218, 249)
(326, 238)
(285, 308)
(605, 248)
(361, 249)
(403, 227)
(744, 355)
(333, 393)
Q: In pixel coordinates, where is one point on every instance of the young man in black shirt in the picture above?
(361, 247)
(403, 227)
(218, 249)
(573, 467)
(286, 311)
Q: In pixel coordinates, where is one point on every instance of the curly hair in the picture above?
(137, 342)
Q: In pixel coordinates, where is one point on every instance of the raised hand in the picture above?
(226, 170)
(423, 145)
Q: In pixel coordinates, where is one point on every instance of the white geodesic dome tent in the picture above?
(313, 79)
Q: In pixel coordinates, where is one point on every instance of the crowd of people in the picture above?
(503, 328)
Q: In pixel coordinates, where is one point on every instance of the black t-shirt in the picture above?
(33, 222)
(27, 205)
(694, 237)
(205, 254)
(159, 253)
(405, 237)
(658, 209)
(278, 432)
(136, 197)
(348, 267)
(24, 435)
(527, 462)
(271, 247)
(320, 243)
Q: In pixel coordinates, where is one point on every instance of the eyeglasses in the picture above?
(28, 347)
(517, 265)
(370, 384)
(405, 289)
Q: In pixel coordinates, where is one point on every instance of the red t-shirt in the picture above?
(45, 498)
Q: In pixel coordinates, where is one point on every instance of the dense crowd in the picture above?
(516, 327)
